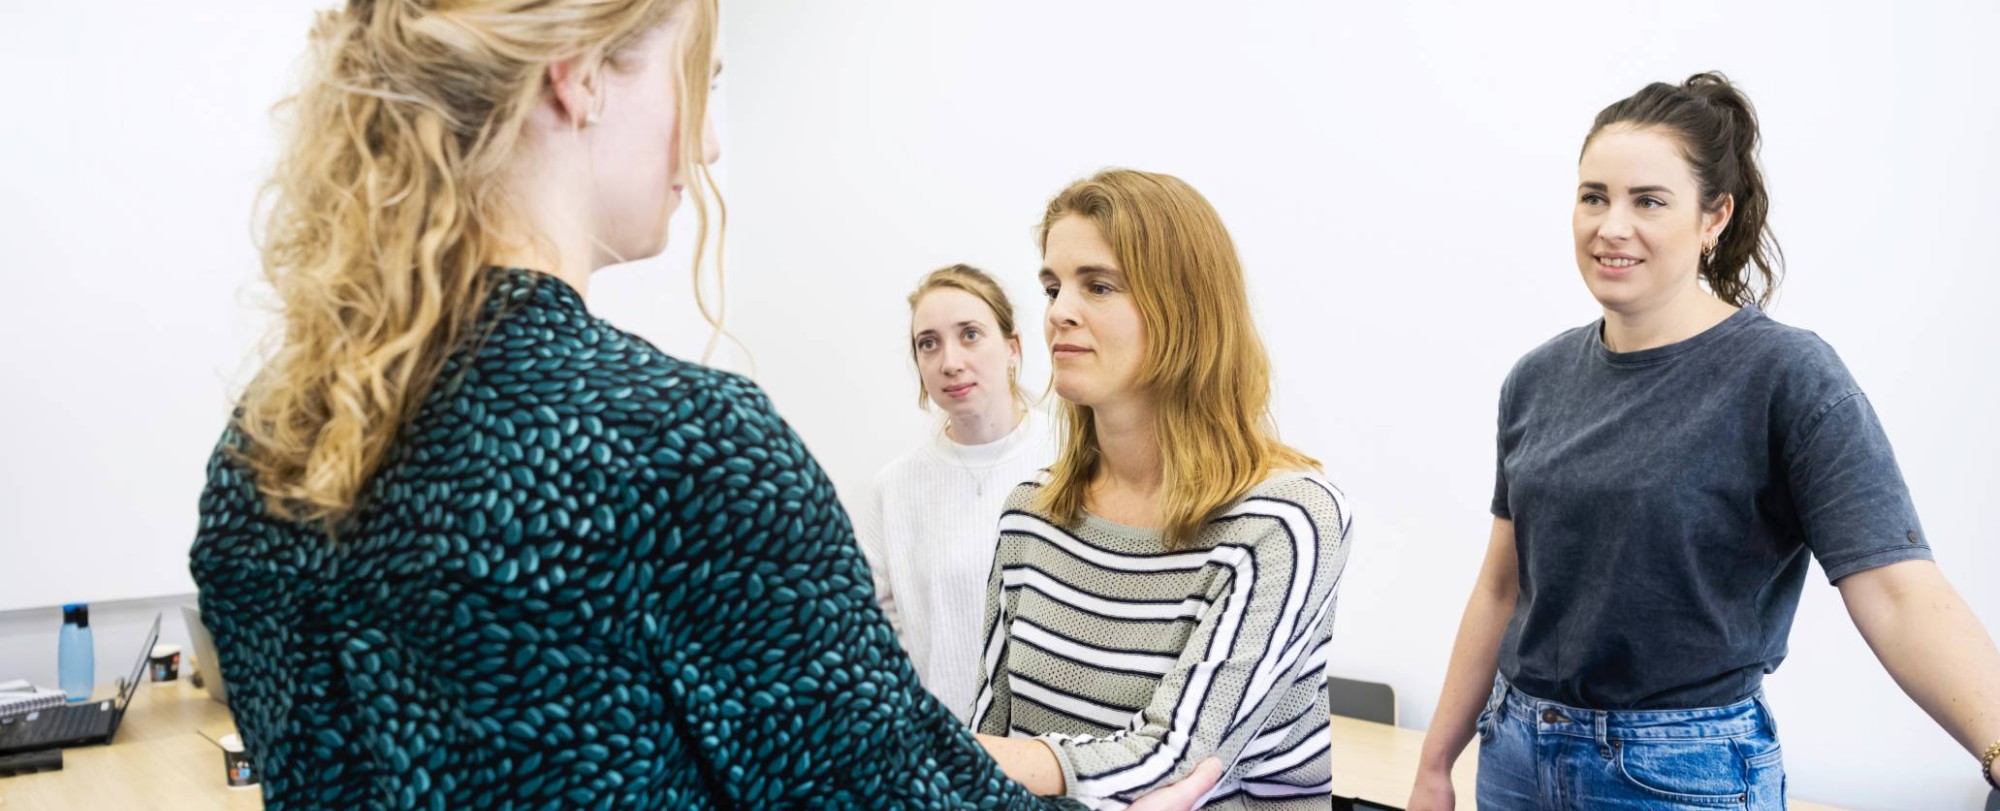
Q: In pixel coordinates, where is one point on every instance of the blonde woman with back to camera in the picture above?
(466, 545)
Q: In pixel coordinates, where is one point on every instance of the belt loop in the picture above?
(1769, 720)
(1603, 733)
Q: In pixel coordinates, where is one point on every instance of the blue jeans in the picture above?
(1537, 755)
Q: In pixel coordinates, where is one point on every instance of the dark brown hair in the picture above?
(1717, 131)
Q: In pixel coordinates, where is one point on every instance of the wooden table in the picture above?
(159, 760)
(1378, 763)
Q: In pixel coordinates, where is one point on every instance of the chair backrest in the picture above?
(1366, 700)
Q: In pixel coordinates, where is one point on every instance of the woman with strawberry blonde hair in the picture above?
(1166, 593)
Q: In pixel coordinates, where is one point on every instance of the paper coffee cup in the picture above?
(238, 771)
(166, 662)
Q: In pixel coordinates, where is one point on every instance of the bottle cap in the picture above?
(77, 614)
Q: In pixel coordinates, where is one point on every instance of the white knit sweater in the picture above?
(928, 529)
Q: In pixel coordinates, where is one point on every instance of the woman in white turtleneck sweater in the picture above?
(928, 528)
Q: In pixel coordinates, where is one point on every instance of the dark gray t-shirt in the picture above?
(1663, 503)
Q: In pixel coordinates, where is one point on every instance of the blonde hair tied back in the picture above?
(979, 285)
(387, 203)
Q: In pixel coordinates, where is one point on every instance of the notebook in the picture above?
(38, 698)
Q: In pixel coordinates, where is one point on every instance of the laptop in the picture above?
(76, 724)
(207, 667)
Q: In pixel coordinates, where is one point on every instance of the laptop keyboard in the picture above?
(55, 724)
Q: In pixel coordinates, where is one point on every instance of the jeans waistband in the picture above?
(1552, 718)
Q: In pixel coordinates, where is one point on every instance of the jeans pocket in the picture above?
(1705, 772)
(1764, 760)
(1489, 716)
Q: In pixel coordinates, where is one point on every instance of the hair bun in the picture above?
(1706, 80)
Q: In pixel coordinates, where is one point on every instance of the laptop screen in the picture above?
(131, 685)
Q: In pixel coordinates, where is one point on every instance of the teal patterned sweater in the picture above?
(587, 576)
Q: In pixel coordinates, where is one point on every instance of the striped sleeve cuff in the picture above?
(1054, 742)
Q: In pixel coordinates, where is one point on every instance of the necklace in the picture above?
(978, 482)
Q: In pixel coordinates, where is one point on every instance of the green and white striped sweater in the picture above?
(1134, 663)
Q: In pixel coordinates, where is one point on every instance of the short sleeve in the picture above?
(1499, 506)
(1852, 502)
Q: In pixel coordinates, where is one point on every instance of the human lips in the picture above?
(1616, 265)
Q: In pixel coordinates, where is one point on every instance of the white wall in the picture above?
(1398, 176)
(130, 162)
(134, 146)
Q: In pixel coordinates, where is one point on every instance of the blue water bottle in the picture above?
(76, 657)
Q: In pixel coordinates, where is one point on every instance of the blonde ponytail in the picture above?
(385, 208)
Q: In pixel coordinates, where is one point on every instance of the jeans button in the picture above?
(1551, 716)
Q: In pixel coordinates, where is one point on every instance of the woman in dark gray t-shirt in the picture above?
(1663, 474)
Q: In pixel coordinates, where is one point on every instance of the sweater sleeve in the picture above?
(992, 701)
(1253, 643)
(869, 531)
(784, 676)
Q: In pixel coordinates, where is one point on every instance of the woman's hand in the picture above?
(1433, 792)
(1183, 795)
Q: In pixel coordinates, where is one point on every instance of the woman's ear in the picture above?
(576, 90)
(1716, 219)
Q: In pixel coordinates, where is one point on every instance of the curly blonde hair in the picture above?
(388, 203)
